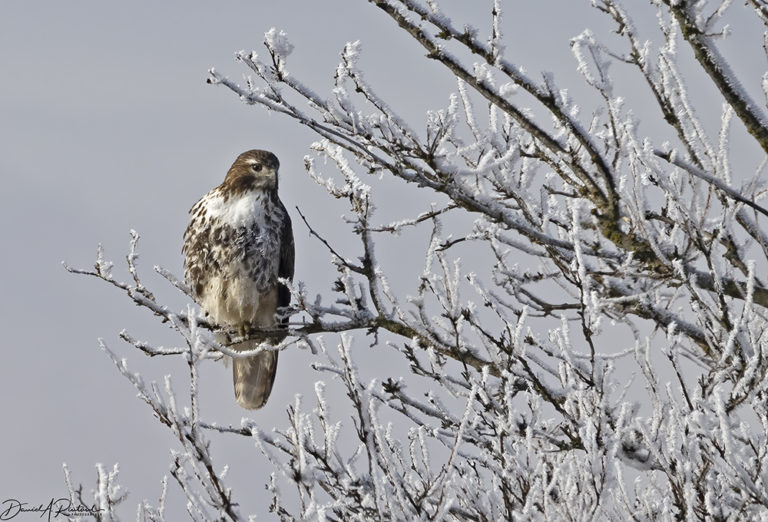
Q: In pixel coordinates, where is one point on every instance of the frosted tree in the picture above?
(585, 333)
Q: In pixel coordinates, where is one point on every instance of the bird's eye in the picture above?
(256, 167)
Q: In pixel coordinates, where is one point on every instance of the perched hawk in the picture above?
(238, 242)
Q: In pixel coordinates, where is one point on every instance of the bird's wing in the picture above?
(287, 260)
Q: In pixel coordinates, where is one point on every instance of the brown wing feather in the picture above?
(287, 260)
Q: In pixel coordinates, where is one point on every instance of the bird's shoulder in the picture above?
(202, 216)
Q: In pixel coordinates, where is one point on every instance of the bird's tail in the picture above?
(253, 376)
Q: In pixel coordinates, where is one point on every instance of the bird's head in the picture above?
(254, 170)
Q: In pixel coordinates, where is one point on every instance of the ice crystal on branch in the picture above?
(277, 42)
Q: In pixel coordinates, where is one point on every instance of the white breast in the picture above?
(245, 210)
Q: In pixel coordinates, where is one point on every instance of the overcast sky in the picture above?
(107, 125)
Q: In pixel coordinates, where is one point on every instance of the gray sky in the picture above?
(107, 124)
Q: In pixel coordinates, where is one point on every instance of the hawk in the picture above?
(237, 244)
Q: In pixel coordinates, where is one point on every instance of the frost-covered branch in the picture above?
(582, 334)
(687, 14)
